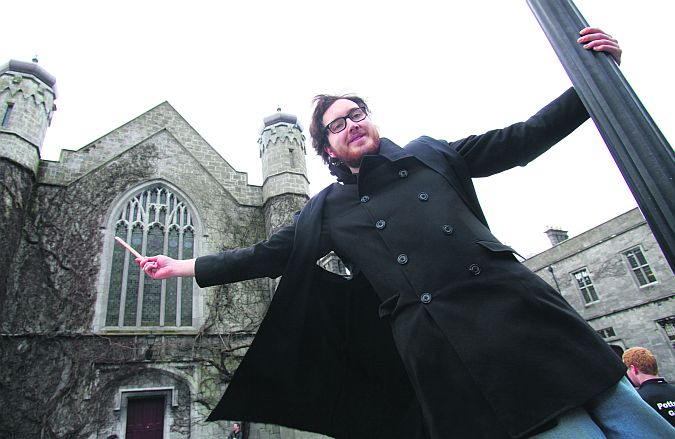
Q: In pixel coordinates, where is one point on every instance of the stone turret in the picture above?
(285, 184)
(27, 94)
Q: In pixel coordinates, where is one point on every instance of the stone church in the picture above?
(90, 347)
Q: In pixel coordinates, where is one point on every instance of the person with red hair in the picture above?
(643, 372)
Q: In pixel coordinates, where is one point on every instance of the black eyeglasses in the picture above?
(355, 114)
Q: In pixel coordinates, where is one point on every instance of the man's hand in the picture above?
(594, 38)
(164, 267)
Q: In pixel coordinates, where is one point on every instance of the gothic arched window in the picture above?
(153, 221)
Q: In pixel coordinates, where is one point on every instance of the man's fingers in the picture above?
(149, 267)
(601, 42)
(597, 37)
(592, 30)
(605, 46)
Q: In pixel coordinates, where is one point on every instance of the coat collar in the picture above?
(387, 149)
(392, 151)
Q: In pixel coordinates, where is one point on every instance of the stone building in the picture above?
(89, 346)
(616, 276)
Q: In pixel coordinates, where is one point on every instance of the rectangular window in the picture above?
(291, 158)
(607, 333)
(8, 112)
(638, 264)
(585, 286)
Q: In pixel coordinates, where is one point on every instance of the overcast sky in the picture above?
(441, 68)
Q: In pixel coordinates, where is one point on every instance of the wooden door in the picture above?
(145, 418)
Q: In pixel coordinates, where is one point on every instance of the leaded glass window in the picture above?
(638, 264)
(585, 285)
(668, 325)
(153, 221)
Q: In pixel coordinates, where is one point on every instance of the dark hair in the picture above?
(317, 130)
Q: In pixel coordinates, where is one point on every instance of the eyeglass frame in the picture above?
(344, 118)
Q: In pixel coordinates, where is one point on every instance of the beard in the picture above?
(355, 162)
(353, 157)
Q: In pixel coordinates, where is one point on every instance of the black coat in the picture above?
(322, 361)
(659, 394)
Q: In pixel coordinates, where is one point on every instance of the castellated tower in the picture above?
(285, 184)
(27, 94)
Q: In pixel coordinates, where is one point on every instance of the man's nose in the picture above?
(351, 124)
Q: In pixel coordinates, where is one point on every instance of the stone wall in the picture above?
(280, 209)
(17, 149)
(16, 184)
(53, 282)
(70, 386)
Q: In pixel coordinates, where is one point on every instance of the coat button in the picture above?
(425, 298)
(448, 229)
(423, 196)
(474, 269)
(365, 199)
(403, 173)
(402, 259)
(380, 224)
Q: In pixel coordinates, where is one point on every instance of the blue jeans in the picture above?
(617, 413)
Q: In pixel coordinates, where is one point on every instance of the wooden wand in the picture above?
(128, 247)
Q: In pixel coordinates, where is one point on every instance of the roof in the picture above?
(29, 68)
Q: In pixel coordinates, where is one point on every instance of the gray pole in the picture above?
(643, 155)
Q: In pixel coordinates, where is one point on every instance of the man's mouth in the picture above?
(356, 137)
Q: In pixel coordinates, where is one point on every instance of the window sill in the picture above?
(149, 330)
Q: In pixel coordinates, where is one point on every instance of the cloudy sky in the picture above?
(441, 68)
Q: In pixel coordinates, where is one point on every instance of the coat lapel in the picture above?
(440, 157)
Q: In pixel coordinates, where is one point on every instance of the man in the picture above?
(643, 372)
(462, 348)
(236, 432)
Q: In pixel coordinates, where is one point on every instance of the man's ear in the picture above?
(329, 151)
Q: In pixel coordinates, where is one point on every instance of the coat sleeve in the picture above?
(520, 143)
(267, 258)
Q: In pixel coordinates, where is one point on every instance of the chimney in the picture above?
(556, 235)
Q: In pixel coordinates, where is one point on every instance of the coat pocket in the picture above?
(388, 307)
(498, 247)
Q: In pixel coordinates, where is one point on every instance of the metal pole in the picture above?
(642, 154)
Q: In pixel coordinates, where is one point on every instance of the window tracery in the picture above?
(153, 221)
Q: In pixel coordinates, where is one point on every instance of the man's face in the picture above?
(235, 427)
(356, 140)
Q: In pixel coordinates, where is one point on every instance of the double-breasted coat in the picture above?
(455, 338)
